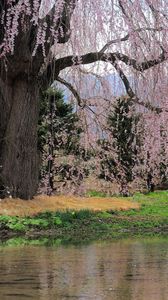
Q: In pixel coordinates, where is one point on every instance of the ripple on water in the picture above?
(124, 269)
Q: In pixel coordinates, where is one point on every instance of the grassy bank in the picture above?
(42, 203)
(85, 225)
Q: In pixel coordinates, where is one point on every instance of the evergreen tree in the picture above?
(58, 121)
(120, 150)
(58, 131)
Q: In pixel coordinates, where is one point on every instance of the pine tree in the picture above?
(121, 151)
(58, 131)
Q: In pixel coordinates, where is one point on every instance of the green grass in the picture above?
(84, 225)
(152, 205)
(47, 220)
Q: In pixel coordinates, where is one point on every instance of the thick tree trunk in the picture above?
(18, 137)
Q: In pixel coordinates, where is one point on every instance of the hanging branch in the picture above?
(72, 89)
(57, 65)
(131, 93)
(127, 36)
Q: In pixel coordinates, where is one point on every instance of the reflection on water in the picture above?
(126, 269)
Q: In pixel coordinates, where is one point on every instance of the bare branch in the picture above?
(113, 58)
(156, 11)
(131, 93)
(90, 73)
(69, 61)
(82, 102)
(127, 36)
(126, 83)
(123, 9)
(72, 89)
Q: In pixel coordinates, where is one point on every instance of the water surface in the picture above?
(124, 269)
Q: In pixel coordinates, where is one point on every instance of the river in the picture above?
(128, 269)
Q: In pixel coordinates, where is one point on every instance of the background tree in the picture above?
(58, 133)
(155, 149)
(122, 148)
(55, 112)
(164, 159)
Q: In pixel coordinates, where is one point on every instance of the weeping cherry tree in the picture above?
(41, 39)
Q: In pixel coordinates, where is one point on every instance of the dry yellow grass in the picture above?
(18, 207)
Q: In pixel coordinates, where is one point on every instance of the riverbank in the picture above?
(148, 214)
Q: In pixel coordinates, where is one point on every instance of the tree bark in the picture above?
(18, 140)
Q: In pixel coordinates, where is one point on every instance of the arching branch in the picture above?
(72, 89)
(82, 103)
(131, 93)
(69, 61)
(127, 36)
(57, 65)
